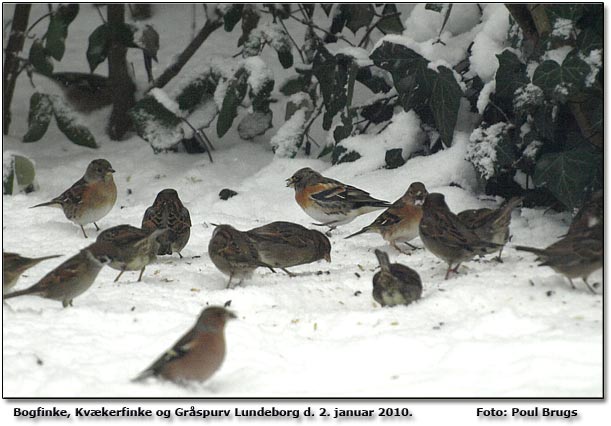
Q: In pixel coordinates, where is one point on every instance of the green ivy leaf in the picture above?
(390, 25)
(232, 16)
(394, 158)
(296, 84)
(589, 40)
(568, 174)
(233, 99)
(358, 15)
(156, 124)
(285, 57)
(332, 84)
(70, 127)
(39, 117)
(445, 102)
(39, 59)
(550, 76)
(510, 75)
(375, 83)
(564, 11)
(58, 30)
(250, 20)
(97, 49)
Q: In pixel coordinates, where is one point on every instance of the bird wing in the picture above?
(177, 351)
(331, 192)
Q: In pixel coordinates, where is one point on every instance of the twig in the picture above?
(198, 137)
(37, 21)
(314, 117)
(173, 70)
(313, 25)
(293, 40)
(97, 7)
(371, 28)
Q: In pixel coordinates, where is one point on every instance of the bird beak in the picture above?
(231, 315)
(290, 182)
(110, 171)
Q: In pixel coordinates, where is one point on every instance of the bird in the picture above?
(71, 278)
(576, 255)
(168, 211)
(13, 265)
(330, 202)
(491, 225)
(590, 214)
(395, 284)
(234, 253)
(131, 248)
(285, 244)
(399, 223)
(198, 354)
(444, 235)
(90, 198)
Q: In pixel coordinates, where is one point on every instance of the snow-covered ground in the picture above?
(507, 329)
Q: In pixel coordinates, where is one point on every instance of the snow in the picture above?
(507, 329)
(527, 96)
(557, 54)
(490, 41)
(594, 60)
(258, 73)
(169, 104)
(484, 96)
(563, 28)
(286, 140)
(482, 148)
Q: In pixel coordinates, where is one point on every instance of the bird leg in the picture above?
(119, 276)
(180, 255)
(289, 273)
(141, 272)
(448, 271)
(571, 281)
(96, 226)
(83, 229)
(229, 282)
(413, 247)
(589, 286)
(498, 258)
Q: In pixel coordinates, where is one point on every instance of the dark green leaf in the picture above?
(445, 102)
(250, 20)
(564, 11)
(398, 59)
(309, 9)
(378, 112)
(391, 25)
(544, 122)
(435, 7)
(156, 124)
(510, 75)
(326, 151)
(39, 117)
(589, 40)
(555, 79)
(332, 84)
(99, 43)
(568, 174)
(296, 84)
(24, 171)
(70, 126)
(574, 70)
(548, 76)
(373, 82)
(327, 7)
(285, 57)
(394, 158)
(39, 59)
(233, 99)
(358, 15)
(232, 16)
(339, 20)
(196, 92)
(125, 34)
(55, 43)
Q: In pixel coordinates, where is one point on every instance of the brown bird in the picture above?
(444, 235)
(395, 284)
(71, 278)
(590, 214)
(575, 256)
(13, 265)
(399, 223)
(330, 202)
(234, 253)
(491, 225)
(168, 212)
(131, 248)
(90, 198)
(198, 354)
(284, 244)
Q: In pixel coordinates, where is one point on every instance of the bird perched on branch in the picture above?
(576, 255)
(399, 223)
(13, 265)
(330, 202)
(491, 225)
(444, 235)
(90, 198)
(198, 354)
(168, 212)
(234, 253)
(395, 284)
(286, 244)
(131, 248)
(70, 279)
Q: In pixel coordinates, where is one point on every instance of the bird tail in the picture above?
(362, 231)
(383, 259)
(40, 259)
(48, 203)
(17, 294)
(512, 204)
(534, 250)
